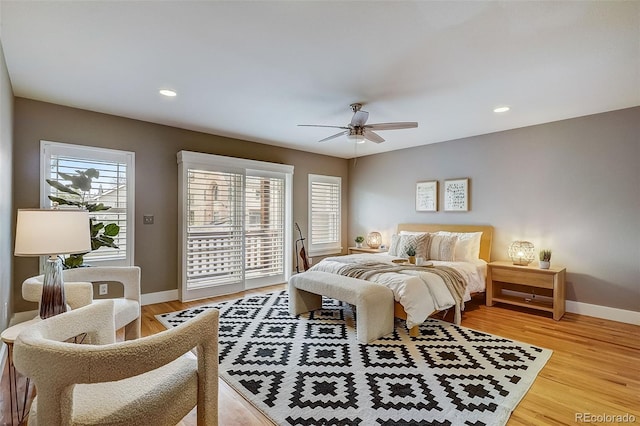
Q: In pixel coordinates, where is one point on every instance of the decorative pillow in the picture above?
(441, 247)
(400, 244)
(467, 246)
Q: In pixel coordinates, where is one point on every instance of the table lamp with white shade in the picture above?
(41, 232)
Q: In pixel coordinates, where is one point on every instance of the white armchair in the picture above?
(152, 380)
(78, 290)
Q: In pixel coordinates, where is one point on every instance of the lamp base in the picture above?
(521, 262)
(53, 301)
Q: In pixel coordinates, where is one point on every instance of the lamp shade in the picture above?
(52, 232)
(522, 252)
(374, 239)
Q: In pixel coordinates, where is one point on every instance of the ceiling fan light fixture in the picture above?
(359, 131)
(357, 138)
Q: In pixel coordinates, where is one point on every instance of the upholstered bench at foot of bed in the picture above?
(373, 302)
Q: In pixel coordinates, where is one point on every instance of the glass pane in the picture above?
(109, 188)
(214, 228)
(264, 227)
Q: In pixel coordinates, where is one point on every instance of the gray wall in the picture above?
(572, 186)
(6, 205)
(155, 147)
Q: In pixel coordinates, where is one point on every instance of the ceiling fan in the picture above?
(360, 131)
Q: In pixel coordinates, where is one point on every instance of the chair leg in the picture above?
(132, 330)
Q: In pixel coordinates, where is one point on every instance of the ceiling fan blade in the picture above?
(334, 136)
(359, 118)
(373, 137)
(322, 125)
(392, 126)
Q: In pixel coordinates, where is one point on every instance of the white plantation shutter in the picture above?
(214, 230)
(324, 214)
(235, 217)
(264, 226)
(114, 188)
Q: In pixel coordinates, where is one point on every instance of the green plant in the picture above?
(411, 251)
(545, 255)
(75, 194)
(359, 239)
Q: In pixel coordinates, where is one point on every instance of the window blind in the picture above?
(264, 226)
(109, 188)
(214, 251)
(324, 207)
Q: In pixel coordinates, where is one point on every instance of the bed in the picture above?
(419, 291)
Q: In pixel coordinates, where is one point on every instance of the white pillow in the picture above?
(467, 246)
(441, 247)
(413, 233)
(400, 244)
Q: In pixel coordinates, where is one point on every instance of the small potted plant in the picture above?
(411, 254)
(359, 240)
(545, 259)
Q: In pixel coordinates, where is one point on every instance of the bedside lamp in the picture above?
(521, 252)
(374, 239)
(51, 233)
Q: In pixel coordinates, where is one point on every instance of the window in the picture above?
(234, 216)
(214, 230)
(113, 187)
(324, 215)
(264, 226)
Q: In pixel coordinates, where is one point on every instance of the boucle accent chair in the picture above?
(79, 292)
(155, 380)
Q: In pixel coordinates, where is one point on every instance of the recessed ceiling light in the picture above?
(501, 109)
(167, 92)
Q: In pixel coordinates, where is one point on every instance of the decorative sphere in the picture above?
(374, 239)
(522, 252)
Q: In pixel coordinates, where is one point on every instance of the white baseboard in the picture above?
(159, 297)
(597, 311)
(604, 312)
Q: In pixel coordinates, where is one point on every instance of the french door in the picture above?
(235, 228)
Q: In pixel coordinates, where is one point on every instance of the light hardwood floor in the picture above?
(595, 367)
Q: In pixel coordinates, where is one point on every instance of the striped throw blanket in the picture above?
(452, 279)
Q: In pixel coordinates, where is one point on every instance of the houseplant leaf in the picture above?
(63, 188)
(111, 230)
(96, 207)
(63, 202)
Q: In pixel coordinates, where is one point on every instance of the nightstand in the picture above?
(504, 275)
(353, 250)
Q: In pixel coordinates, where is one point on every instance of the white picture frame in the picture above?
(427, 196)
(456, 195)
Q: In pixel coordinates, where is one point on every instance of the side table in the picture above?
(551, 282)
(353, 250)
(9, 336)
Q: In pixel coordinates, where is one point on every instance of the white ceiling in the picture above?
(254, 70)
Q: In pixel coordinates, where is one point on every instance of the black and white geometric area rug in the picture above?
(311, 370)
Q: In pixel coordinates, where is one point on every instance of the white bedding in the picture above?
(420, 293)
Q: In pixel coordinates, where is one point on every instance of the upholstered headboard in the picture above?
(485, 241)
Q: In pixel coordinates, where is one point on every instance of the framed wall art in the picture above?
(456, 195)
(427, 196)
